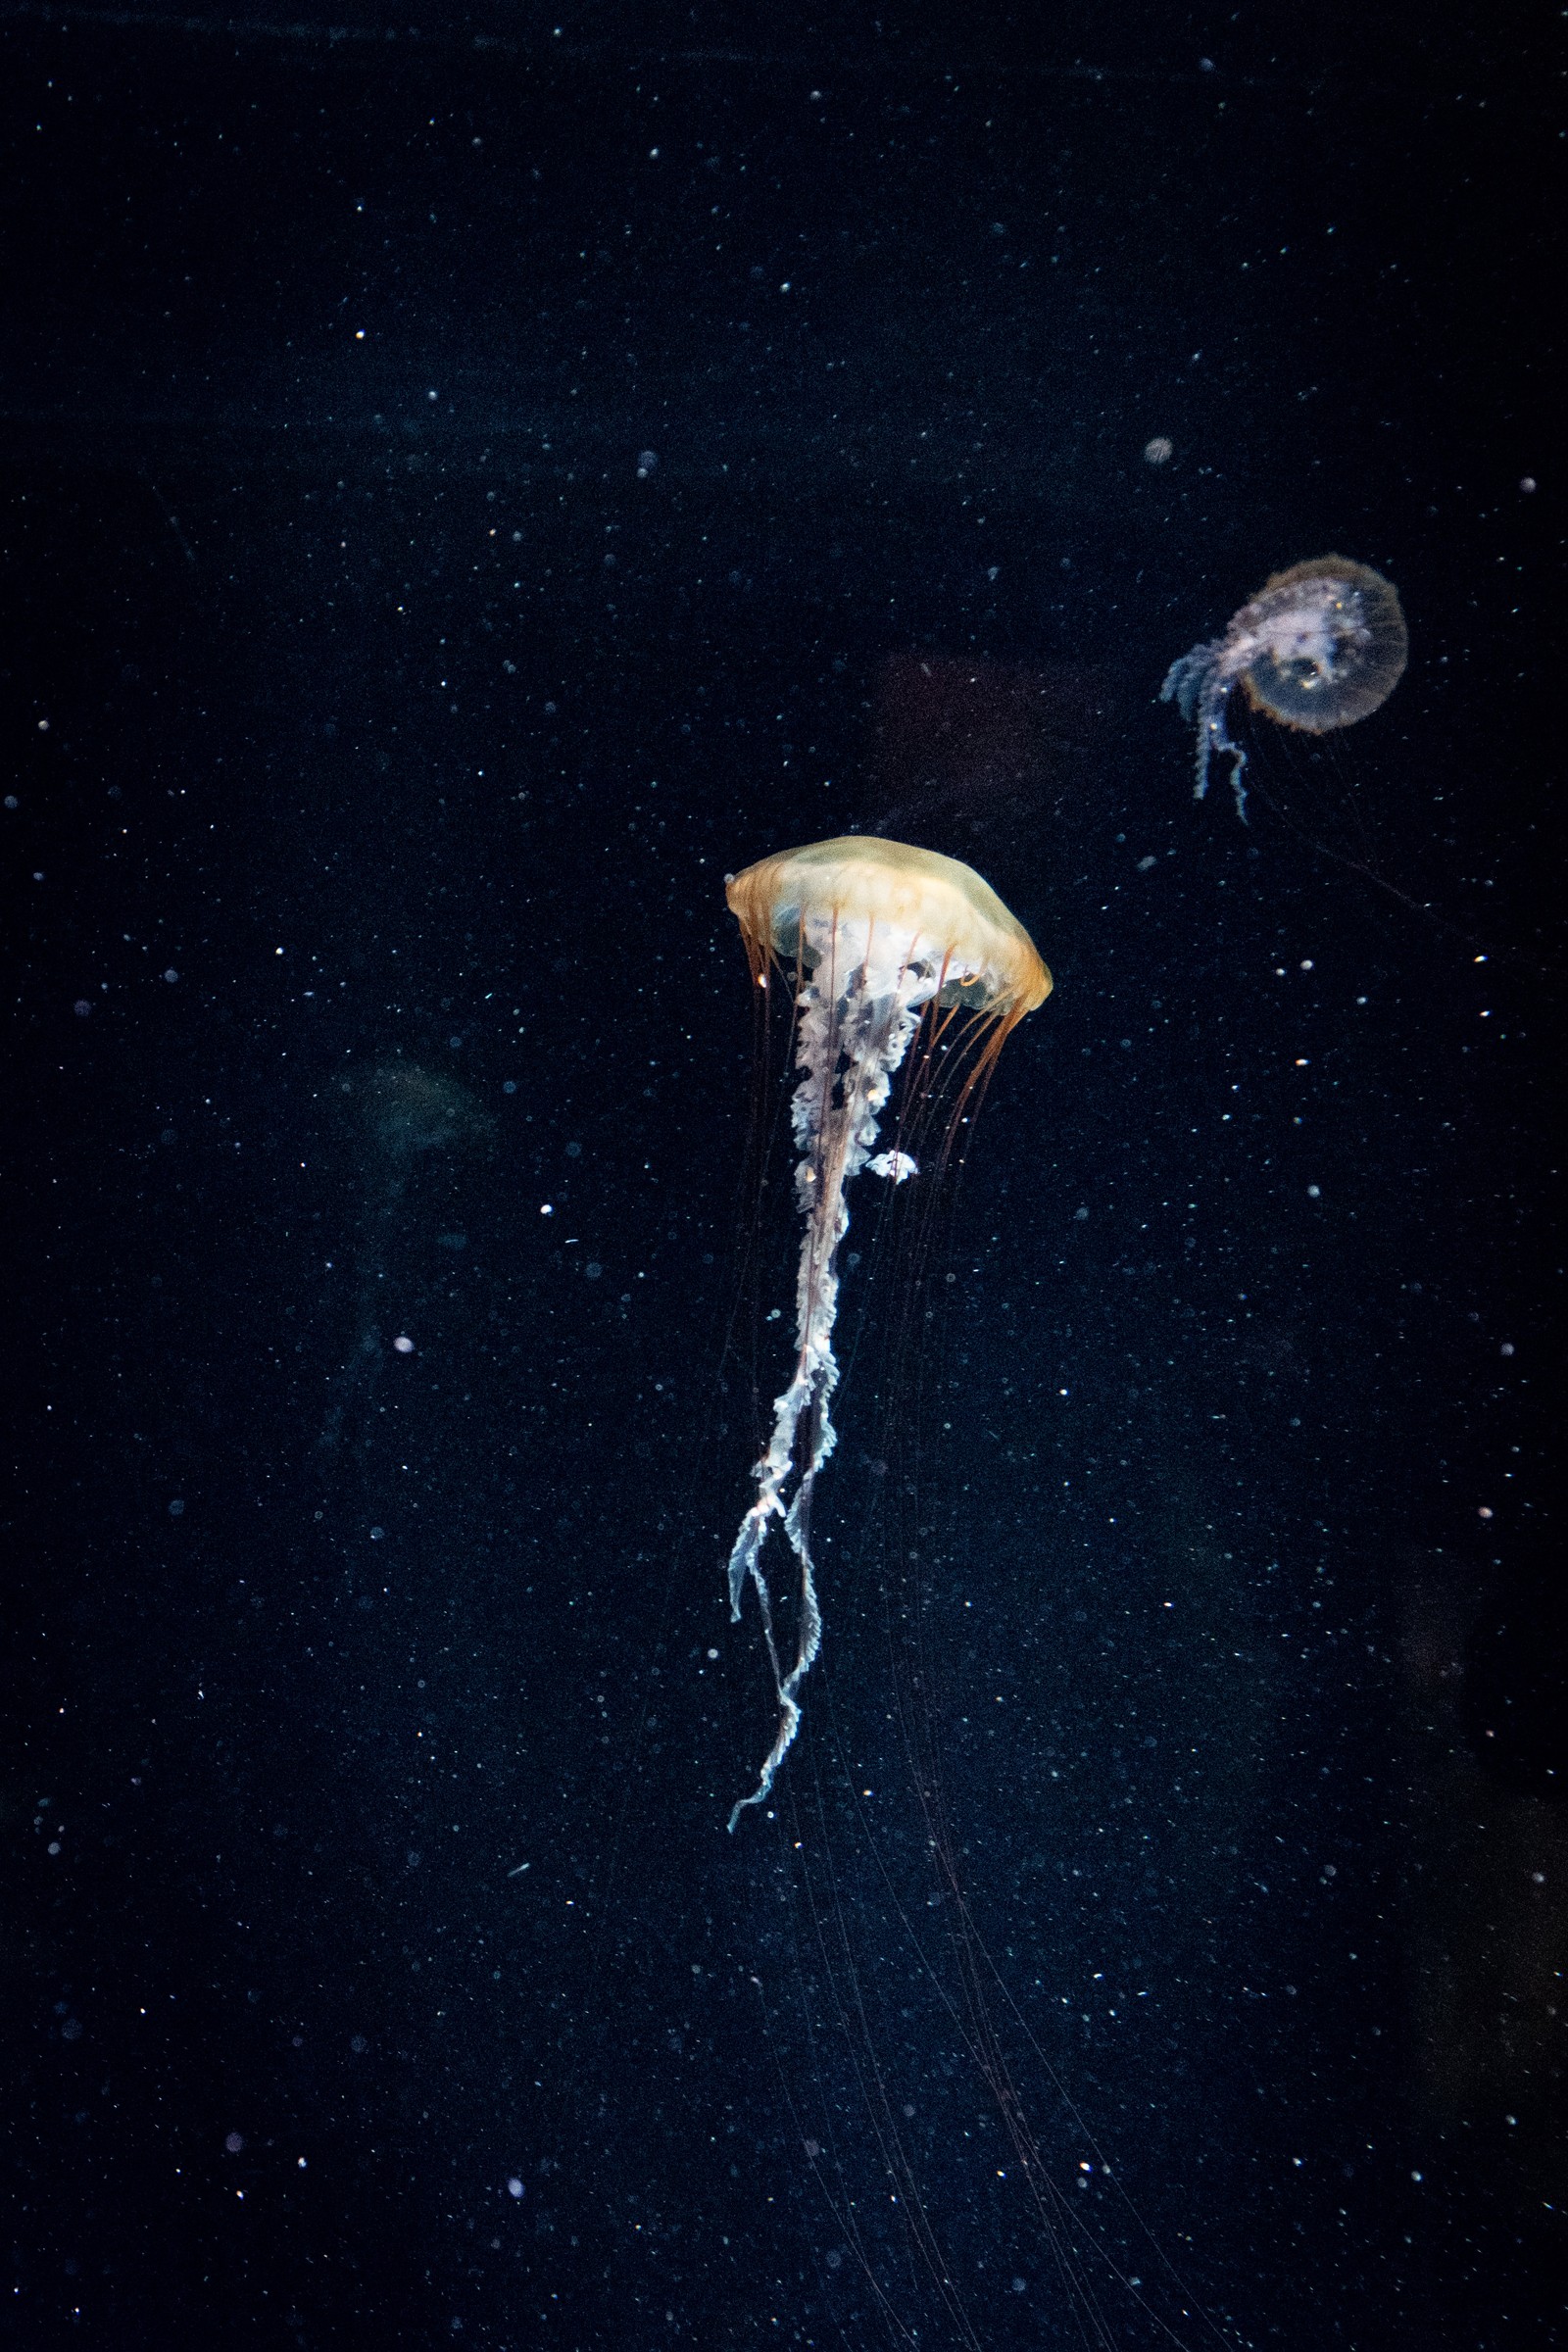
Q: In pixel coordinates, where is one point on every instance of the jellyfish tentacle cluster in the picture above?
(878, 933)
(1319, 647)
(857, 1013)
(1200, 684)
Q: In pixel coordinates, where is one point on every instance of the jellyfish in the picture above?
(407, 1115)
(887, 942)
(1319, 647)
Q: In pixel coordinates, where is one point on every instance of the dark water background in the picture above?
(380, 725)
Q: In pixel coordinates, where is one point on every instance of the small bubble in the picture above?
(1158, 451)
(593, 1269)
(574, 1151)
(509, 1086)
(234, 2143)
(647, 460)
(171, 974)
(376, 1534)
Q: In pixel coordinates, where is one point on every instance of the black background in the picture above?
(380, 725)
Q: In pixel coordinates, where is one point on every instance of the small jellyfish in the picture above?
(409, 1117)
(1318, 646)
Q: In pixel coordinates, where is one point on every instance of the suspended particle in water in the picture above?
(1159, 451)
(1319, 647)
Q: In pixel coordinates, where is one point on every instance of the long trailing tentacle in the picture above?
(853, 1034)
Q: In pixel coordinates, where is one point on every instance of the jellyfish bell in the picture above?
(887, 942)
(1319, 647)
(1334, 645)
(859, 901)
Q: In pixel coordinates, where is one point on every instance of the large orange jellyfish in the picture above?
(886, 942)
